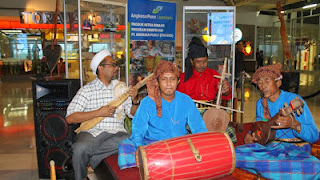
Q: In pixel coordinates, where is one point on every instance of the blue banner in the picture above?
(151, 20)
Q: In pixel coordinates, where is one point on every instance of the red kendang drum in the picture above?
(207, 155)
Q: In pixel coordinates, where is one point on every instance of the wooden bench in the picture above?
(113, 172)
(111, 164)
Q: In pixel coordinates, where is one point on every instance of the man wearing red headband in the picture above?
(163, 114)
(288, 156)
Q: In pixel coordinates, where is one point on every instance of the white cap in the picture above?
(96, 60)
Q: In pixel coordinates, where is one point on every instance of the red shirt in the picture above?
(201, 86)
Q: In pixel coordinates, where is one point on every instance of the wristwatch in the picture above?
(138, 102)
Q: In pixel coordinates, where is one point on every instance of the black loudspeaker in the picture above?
(53, 134)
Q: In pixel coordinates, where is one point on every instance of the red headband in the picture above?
(273, 71)
(153, 87)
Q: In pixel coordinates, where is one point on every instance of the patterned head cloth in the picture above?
(270, 71)
(153, 87)
(196, 50)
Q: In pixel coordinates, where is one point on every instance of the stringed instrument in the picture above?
(265, 131)
(216, 118)
(116, 102)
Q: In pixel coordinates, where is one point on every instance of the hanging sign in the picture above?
(152, 27)
(151, 20)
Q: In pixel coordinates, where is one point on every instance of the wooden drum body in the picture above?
(196, 156)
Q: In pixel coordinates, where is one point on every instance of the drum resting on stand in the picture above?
(196, 156)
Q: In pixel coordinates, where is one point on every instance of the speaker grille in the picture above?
(54, 127)
(58, 156)
(54, 135)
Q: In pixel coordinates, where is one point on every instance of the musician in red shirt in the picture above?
(198, 81)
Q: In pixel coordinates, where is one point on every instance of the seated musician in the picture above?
(288, 156)
(199, 82)
(163, 114)
(93, 145)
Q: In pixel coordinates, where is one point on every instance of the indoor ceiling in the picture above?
(264, 6)
(269, 5)
(260, 5)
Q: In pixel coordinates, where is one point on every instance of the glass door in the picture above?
(102, 26)
(215, 26)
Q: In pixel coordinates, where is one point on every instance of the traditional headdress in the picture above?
(153, 87)
(196, 50)
(273, 71)
(96, 60)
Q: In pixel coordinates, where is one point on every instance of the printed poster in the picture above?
(152, 27)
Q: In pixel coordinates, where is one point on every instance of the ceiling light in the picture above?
(309, 6)
(12, 31)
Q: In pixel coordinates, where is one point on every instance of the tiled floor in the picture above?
(17, 140)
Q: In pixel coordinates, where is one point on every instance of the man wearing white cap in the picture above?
(93, 145)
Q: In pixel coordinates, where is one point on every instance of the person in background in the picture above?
(163, 114)
(239, 67)
(27, 64)
(288, 156)
(61, 67)
(259, 58)
(93, 145)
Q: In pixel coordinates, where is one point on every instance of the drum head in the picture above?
(216, 120)
(142, 162)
